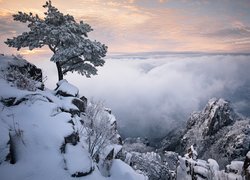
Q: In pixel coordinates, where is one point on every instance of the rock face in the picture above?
(216, 114)
(217, 132)
(80, 104)
(25, 68)
(20, 73)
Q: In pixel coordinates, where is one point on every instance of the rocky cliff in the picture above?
(216, 132)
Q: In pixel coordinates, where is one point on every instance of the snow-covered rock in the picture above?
(217, 114)
(77, 160)
(217, 132)
(190, 168)
(66, 89)
(20, 73)
(41, 138)
(80, 104)
(122, 171)
(17, 63)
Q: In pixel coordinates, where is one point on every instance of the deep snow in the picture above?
(37, 126)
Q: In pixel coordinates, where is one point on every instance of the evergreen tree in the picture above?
(67, 39)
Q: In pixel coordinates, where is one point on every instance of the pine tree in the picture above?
(67, 39)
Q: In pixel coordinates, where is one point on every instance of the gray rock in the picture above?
(217, 132)
(80, 104)
(66, 89)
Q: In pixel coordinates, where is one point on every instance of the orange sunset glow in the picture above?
(147, 25)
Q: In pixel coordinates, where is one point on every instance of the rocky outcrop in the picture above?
(21, 73)
(66, 89)
(80, 104)
(25, 68)
(216, 115)
(70, 94)
(192, 168)
(217, 132)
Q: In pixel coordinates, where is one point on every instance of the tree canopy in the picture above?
(66, 38)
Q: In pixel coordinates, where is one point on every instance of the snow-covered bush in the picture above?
(20, 80)
(99, 128)
(21, 74)
(150, 164)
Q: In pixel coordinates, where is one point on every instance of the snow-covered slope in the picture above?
(43, 135)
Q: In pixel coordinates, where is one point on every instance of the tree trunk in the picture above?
(59, 70)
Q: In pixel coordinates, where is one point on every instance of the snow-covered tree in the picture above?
(99, 128)
(66, 38)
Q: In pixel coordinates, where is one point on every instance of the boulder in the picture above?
(85, 100)
(8, 101)
(80, 104)
(71, 139)
(66, 89)
(77, 161)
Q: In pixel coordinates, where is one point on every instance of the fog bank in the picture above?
(151, 94)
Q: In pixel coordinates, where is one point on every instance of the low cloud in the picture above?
(153, 94)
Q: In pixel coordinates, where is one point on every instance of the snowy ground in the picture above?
(37, 128)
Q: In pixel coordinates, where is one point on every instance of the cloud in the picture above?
(162, 1)
(8, 29)
(235, 38)
(131, 1)
(143, 25)
(151, 94)
(234, 32)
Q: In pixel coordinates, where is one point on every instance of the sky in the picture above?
(146, 25)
